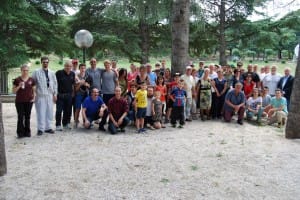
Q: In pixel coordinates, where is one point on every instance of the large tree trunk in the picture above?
(292, 130)
(180, 35)
(3, 168)
(145, 41)
(222, 47)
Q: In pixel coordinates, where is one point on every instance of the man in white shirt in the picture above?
(190, 90)
(271, 80)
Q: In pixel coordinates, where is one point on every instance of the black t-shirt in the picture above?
(65, 82)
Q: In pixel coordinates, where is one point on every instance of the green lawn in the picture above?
(55, 65)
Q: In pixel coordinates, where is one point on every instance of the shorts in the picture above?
(79, 98)
(141, 113)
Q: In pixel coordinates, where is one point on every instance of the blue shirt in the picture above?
(276, 103)
(152, 78)
(92, 107)
(234, 99)
(179, 96)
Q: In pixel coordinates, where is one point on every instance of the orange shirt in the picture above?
(163, 92)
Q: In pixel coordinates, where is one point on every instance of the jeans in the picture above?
(113, 129)
(188, 107)
(63, 105)
(23, 124)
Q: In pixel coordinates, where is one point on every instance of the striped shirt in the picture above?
(41, 82)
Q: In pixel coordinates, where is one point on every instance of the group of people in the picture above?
(145, 97)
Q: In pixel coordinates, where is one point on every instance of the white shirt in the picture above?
(189, 83)
(271, 82)
(41, 82)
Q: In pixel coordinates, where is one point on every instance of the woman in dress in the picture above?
(123, 83)
(23, 87)
(204, 93)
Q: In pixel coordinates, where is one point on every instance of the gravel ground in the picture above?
(205, 160)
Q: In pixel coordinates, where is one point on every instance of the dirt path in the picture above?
(205, 160)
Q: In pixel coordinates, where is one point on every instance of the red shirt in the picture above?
(248, 88)
(163, 92)
(26, 94)
(117, 107)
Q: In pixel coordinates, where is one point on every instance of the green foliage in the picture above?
(236, 52)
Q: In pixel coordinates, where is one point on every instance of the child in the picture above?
(148, 119)
(157, 110)
(170, 87)
(178, 96)
(130, 100)
(141, 107)
(160, 86)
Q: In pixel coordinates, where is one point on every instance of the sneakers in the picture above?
(39, 132)
(180, 126)
(67, 127)
(101, 128)
(141, 130)
(59, 128)
(240, 122)
(174, 125)
(49, 131)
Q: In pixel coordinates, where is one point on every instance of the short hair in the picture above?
(24, 66)
(82, 65)
(44, 58)
(278, 89)
(106, 61)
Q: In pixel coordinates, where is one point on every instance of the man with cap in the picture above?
(189, 86)
(235, 104)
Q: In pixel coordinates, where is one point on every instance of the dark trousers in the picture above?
(106, 98)
(113, 129)
(96, 117)
(177, 114)
(63, 105)
(217, 105)
(23, 124)
(228, 114)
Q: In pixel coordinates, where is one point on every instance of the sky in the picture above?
(274, 8)
(277, 9)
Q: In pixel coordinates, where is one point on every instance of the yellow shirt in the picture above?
(141, 98)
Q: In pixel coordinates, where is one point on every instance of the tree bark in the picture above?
(145, 40)
(180, 35)
(3, 167)
(222, 39)
(292, 129)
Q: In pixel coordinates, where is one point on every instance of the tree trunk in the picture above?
(3, 167)
(145, 40)
(222, 47)
(292, 130)
(180, 35)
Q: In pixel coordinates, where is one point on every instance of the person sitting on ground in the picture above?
(178, 96)
(157, 111)
(235, 104)
(254, 106)
(118, 110)
(93, 108)
(278, 109)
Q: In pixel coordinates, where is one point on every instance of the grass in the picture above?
(55, 65)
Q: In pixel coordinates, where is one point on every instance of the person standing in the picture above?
(82, 87)
(178, 96)
(109, 81)
(23, 87)
(46, 96)
(140, 103)
(118, 109)
(286, 85)
(65, 82)
(271, 81)
(190, 91)
(95, 73)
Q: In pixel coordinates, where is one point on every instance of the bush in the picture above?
(37, 62)
(60, 62)
(250, 61)
(283, 62)
(266, 61)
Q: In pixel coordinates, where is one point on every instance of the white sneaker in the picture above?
(59, 128)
